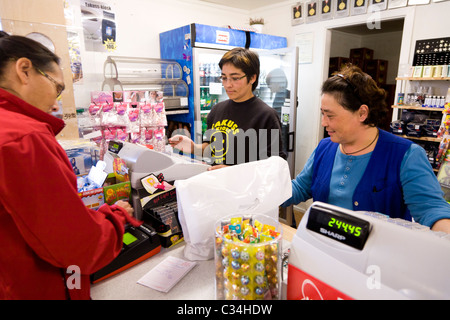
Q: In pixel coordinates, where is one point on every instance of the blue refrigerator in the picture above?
(198, 49)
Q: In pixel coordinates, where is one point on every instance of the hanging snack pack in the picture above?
(247, 258)
(137, 117)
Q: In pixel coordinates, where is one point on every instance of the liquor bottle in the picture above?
(214, 100)
(201, 74)
(208, 99)
(202, 98)
(216, 73)
(207, 74)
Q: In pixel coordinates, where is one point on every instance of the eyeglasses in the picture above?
(232, 79)
(352, 87)
(59, 88)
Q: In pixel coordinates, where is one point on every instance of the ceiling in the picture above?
(361, 29)
(245, 4)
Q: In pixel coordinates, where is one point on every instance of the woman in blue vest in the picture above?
(361, 167)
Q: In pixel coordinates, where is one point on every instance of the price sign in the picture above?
(339, 226)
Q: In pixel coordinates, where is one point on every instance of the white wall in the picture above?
(139, 23)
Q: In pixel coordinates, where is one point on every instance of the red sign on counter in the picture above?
(303, 286)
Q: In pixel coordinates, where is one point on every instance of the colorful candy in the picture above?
(247, 264)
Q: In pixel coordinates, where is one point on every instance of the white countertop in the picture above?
(197, 284)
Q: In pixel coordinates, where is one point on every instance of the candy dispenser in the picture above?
(248, 258)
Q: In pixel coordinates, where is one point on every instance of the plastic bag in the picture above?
(257, 187)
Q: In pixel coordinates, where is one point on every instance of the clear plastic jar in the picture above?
(248, 269)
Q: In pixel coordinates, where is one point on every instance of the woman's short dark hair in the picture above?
(244, 59)
(351, 88)
(16, 47)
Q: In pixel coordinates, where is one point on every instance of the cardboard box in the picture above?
(114, 191)
(80, 159)
(377, 69)
(93, 199)
(361, 53)
(336, 64)
(110, 193)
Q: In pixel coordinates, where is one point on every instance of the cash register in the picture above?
(143, 161)
(343, 254)
(140, 243)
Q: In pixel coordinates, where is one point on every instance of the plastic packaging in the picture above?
(257, 187)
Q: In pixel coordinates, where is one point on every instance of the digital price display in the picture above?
(339, 226)
(115, 146)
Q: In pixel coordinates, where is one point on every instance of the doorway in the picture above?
(380, 49)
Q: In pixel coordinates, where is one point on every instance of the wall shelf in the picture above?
(417, 108)
(423, 79)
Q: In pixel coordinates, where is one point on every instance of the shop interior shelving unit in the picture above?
(147, 74)
(404, 81)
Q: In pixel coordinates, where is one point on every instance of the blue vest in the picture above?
(379, 189)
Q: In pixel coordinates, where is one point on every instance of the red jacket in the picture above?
(44, 225)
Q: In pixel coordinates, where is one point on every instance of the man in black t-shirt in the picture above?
(240, 132)
(242, 128)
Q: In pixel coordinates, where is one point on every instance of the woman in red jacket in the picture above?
(47, 235)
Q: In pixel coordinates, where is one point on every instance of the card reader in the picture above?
(139, 244)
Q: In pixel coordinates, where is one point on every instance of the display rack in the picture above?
(143, 74)
(433, 112)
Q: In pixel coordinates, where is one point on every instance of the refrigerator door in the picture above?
(277, 87)
(208, 89)
(278, 83)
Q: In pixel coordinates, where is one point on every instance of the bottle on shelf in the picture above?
(214, 100)
(201, 73)
(207, 74)
(202, 98)
(208, 100)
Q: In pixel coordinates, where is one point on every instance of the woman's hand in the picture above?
(125, 205)
(219, 166)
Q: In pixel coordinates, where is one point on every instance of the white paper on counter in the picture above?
(166, 274)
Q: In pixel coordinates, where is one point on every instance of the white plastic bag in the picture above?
(257, 187)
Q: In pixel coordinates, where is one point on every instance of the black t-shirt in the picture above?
(240, 132)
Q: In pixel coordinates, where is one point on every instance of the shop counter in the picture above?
(198, 284)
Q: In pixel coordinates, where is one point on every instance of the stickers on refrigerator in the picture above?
(222, 37)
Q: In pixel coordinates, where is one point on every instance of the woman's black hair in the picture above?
(244, 59)
(16, 47)
(351, 88)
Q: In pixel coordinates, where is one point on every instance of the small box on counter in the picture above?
(93, 199)
(98, 187)
(110, 193)
(115, 191)
(160, 210)
(82, 155)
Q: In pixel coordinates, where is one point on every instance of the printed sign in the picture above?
(222, 37)
(303, 286)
